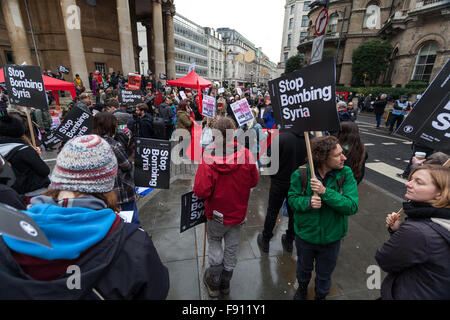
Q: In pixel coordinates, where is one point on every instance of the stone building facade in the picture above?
(87, 35)
(295, 28)
(419, 32)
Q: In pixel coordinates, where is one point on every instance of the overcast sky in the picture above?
(260, 21)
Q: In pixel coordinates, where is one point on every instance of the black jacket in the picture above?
(165, 112)
(417, 256)
(31, 171)
(292, 155)
(11, 197)
(379, 106)
(142, 126)
(124, 265)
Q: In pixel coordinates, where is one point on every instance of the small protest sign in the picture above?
(50, 139)
(63, 69)
(183, 95)
(76, 123)
(239, 91)
(429, 121)
(25, 86)
(192, 211)
(209, 106)
(305, 100)
(152, 163)
(130, 97)
(221, 90)
(134, 81)
(18, 225)
(242, 112)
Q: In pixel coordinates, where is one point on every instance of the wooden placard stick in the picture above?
(310, 158)
(204, 245)
(30, 125)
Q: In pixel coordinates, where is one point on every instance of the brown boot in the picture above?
(212, 285)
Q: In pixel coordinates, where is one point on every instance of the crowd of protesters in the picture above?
(93, 181)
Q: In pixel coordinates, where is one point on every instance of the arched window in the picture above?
(372, 17)
(425, 61)
(332, 23)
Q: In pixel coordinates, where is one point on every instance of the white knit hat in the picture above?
(85, 164)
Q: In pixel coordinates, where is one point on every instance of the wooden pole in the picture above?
(204, 245)
(310, 158)
(30, 125)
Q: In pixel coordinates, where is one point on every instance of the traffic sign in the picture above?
(321, 22)
(317, 49)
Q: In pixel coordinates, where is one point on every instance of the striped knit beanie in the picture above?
(85, 164)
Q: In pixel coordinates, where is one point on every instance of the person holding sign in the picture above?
(321, 206)
(105, 125)
(224, 181)
(417, 255)
(114, 260)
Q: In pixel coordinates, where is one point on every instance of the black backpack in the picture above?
(303, 172)
(8, 175)
(159, 128)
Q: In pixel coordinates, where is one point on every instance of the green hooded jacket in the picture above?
(329, 223)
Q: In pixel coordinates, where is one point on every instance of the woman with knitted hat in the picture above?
(30, 170)
(95, 255)
(105, 125)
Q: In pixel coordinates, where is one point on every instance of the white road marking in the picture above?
(376, 160)
(407, 161)
(407, 142)
(49, 160)
(386, 170)
(386, 137)
(389, 143)
(398, 159)
(368, 144)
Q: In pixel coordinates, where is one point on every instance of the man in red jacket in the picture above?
(225, 183)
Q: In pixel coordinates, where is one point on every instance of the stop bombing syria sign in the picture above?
(429, 122)
(305, 100)
(25, 86)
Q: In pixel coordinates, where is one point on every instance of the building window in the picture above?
(332, 24)
(289, 38)
(9, 57)
(425, 62)
(303, 35)
(292, 9)
(291, 23)
(100, 66)
(372, 17)
(304, 21)
(286, 56)
(306, 5)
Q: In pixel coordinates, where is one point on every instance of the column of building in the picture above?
(169, 12)
(126, 37)
(16, 31)
(158, 40)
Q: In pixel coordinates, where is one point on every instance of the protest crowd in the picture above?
(77, 205)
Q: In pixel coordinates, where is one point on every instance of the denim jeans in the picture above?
(378, 117)
(325, 257)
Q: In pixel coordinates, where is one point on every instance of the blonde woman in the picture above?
(417, 255)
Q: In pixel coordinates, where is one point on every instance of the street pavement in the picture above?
(262, 276)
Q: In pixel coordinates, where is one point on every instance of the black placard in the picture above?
(76, 123)
(192, 211)
(305, 100)
(429, 122)
(130, 97)
(50, 139)
(152, 163)
(18, 225)
(25, 86)
(63, 69)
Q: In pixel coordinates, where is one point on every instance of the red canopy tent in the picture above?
(52, 84)
(192, 80)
